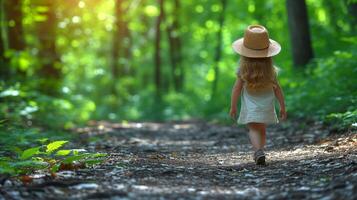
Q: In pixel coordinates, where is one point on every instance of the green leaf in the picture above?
(55, 167)
(98, 155)
(29, 153)
(71, 159)
(42, 140)
(29, 164)
(5, 168)
(63, 152)
(55, 145)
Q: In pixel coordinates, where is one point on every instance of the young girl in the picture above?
(257, 84)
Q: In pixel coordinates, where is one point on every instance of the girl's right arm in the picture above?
(279, 95)
(236, 91)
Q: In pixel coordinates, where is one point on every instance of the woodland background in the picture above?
(64, 63)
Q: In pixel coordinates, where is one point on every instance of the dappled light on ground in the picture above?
(195, 160)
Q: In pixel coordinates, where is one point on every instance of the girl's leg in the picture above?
(257, 135)
(257, 138)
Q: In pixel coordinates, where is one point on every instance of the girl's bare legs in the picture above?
(257, 135)
(257, 138)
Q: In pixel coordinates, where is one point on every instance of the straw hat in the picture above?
(256, 43)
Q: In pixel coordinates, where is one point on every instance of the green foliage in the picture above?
(343, 120)
(54, 146)
(23, 105)
(30, 152)
(328, 88)
(46, 157)
(25, 150)
(87, 88)
(63, 152)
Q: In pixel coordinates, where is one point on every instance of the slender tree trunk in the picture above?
(170, 33)
(117, 43)
(175, 49)
(181, 69)
(2, 40)
(299, 32)
(352, 11)
(157, 55)
(121, 41)
(218, 54)
(146, 78)
(2, 48)
(13, 9)
(4, 69)
(128, 69)
(50, 72)
(121, 44)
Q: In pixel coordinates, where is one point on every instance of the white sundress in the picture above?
(257, 107)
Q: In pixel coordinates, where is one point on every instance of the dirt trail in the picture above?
(196, 160)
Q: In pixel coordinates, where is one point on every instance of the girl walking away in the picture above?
(257, 86)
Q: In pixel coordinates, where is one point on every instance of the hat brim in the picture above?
(273, 49)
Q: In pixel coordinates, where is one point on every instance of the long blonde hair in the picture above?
(258, 73)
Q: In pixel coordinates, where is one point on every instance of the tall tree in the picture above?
(174, 40)
(2, 48)
(157, 54)
(50, 72)
(218, 52)
(299, 32)
(13, 9)
(352, 11)
(121, 41)
(4, 72)
(3, 69)
(2, 41)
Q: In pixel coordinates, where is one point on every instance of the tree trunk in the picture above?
(157, 55)
(299, 32)
(218, 54)
(2, 47)
(4, 69)
(121, 42)
(146, 78)
(51, 72)
(2, 40)
(175, 49)
(352, 11)
(13, 9)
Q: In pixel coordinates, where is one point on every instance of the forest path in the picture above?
(197, 160)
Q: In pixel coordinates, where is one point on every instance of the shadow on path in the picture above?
(198, 160)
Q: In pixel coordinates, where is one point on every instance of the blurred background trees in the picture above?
(13, 10)
(65, 62)
(299, 32)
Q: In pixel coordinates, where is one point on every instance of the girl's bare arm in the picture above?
(280, 96)
(236, 91)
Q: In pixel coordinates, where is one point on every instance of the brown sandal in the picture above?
(259, 157)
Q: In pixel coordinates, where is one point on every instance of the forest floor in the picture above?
(198, 160)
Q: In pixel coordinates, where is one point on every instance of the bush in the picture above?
(326, 90)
